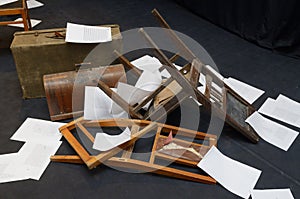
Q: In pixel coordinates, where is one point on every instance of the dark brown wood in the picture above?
(220, 106)
(65, 97)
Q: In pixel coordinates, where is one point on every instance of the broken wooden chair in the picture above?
(224, 100)
(179, 150)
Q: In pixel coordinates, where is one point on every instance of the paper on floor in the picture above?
(76, 33)
(5, 161)
(97, 105)
(236, 177)
(3, 2)
(283, 109)
(34, 22)
(38, 130)
(32, 159)
(132, 95)
(272, 194)
(249, 93)
(105, 142)
(272, 132)
(33, 4)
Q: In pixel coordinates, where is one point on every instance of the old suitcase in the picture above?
(41, 52)
(65, 91)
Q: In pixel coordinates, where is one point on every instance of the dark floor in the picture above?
(234, 57)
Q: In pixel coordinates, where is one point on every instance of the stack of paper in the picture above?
(76, 33)
(41, 141)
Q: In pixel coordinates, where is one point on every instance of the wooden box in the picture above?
(41, 52)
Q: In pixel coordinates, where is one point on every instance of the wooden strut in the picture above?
(138, 129)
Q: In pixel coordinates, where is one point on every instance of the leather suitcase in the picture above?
(41, 52)
(65, 91)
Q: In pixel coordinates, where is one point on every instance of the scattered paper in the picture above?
(5, 161)
(33, 4)
(34, 22)
(272, 194)
(165, 73)
(149, 81)
(236, 177)
(76, 33)
(97, 105)
(147, 63)
(38, 130)
(283, 109)
(32, 159)
(272, 132)
(249, 93)
(105, 142)
(3, 2)
(132, 95)
(212, 70)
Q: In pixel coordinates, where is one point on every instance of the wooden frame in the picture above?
(18, 10)
(138, 129)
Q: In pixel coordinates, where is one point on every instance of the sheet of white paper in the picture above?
(165, 73)
(5, 161)
(149, 81)
(272, 132)
(236, 177)
(202, 79)
(272, 194)
(147, 63)
(38, 130)
(105, 142)
(177, 66)
(33, 4)
(76, 33)
(3, 2)
(97, 105)
(283, 109)
(34, 22)
(211, 69)
(132, 95)
(249, 93)
(33, 159)
(201, 89)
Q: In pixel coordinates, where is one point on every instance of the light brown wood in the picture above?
(15, 9)
(138, 128)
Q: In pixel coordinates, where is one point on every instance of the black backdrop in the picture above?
(274, 24)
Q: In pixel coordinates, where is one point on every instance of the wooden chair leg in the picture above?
(25, 22)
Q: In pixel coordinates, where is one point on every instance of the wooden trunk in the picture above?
(41, 52)
(65, 91)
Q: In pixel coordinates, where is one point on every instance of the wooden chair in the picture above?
(17, 8)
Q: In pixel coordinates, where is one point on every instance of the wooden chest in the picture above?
(41, 52)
